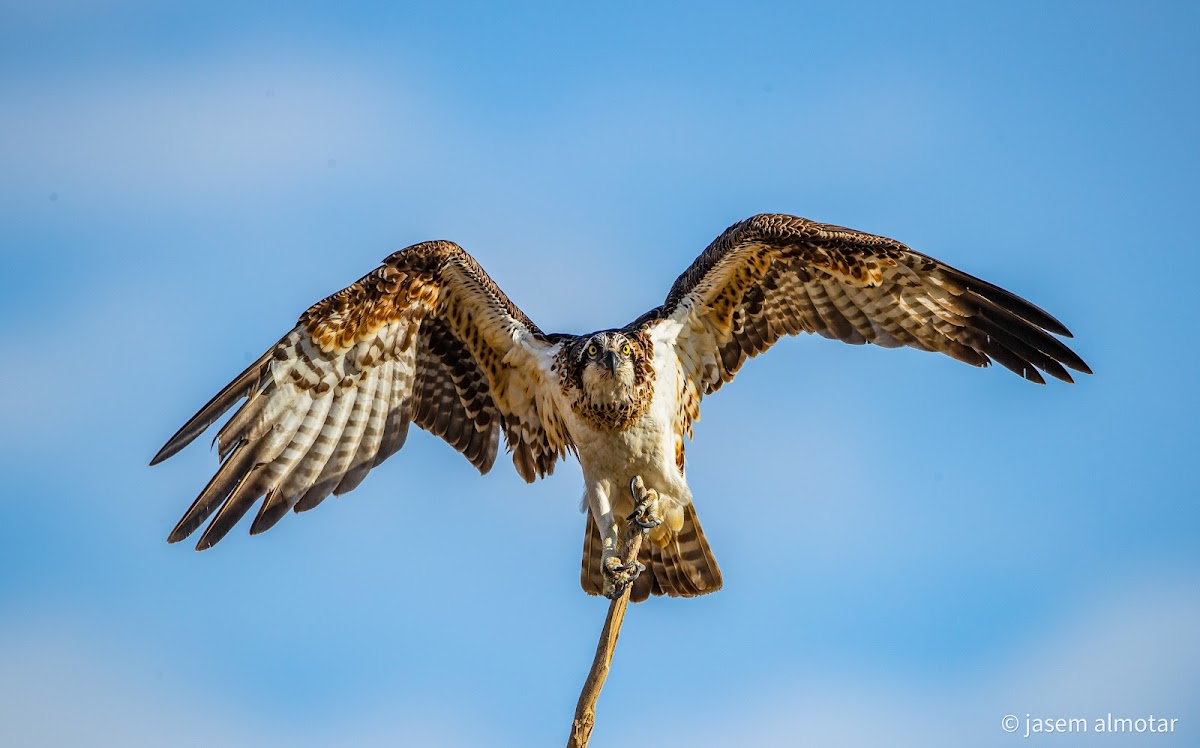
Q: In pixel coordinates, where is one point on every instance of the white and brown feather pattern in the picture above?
(776, 275)
(453, 398)
(678, 564)
(426, 338)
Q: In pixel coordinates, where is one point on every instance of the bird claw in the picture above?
(647, 513)
(618, 576)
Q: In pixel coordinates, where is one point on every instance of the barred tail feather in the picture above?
(682, 566)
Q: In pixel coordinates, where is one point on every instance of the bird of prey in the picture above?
(428, 338)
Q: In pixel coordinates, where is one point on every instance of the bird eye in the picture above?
(593, 350)
(625, 349)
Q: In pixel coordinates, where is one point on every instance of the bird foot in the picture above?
(618, 575)
(648, 510)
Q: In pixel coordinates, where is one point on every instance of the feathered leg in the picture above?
(678, 564)
(647, 513)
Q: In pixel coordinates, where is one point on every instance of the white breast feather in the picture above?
(610, 460)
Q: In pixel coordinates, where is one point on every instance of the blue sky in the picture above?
(912, 548)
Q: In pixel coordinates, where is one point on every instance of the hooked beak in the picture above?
(610, 360)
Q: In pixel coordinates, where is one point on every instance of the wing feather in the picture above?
(316, 474)
(776, 275)
(363, 459)
(426, 337)
(341, 442)
(274, 457)
(246, 383)
(232, 470)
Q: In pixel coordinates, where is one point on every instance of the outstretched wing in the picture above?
(426, 338)
(776, 275)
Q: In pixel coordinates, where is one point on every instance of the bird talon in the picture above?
(647, 513)
(618, 576)
(646, 518)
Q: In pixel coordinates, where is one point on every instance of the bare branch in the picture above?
(585, 710)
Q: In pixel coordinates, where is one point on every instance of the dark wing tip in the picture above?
(1012, 303)
(1025, 329)
(196, 425)
(165, 452)
(242, 386)
(273, 509)
(1049, 323)
(223, 523)
(187, 525)
(181, 439)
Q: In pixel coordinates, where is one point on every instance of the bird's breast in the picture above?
(618, 453)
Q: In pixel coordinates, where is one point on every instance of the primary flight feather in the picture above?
(428, 338)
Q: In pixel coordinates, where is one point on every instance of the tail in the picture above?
(677, 564)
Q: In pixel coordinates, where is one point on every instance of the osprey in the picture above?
(428, 338)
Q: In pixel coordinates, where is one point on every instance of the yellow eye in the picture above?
(593, 350)
(625, 349)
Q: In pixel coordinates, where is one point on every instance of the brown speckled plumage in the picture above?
(424, 338)
(677, 564)
(602, 415)
(775, 275)
(428, 338)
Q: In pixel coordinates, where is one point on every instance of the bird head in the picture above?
(607, 365)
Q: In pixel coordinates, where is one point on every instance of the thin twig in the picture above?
(585, 710)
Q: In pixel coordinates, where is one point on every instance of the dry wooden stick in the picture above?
(585, 710)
